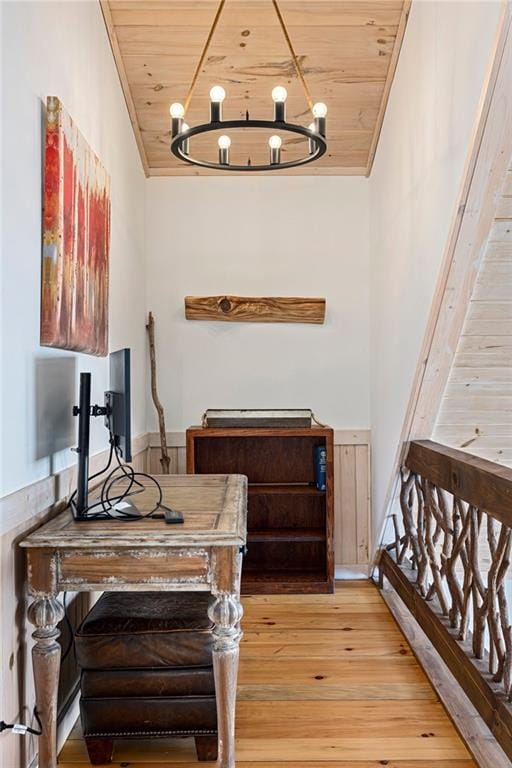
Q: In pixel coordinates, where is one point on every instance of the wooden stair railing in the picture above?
(450, 564)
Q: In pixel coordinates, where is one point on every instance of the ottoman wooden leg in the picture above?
(99, 750)
(206, 747)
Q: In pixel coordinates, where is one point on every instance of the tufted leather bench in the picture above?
(146, 671)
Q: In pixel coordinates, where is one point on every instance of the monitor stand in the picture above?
(84, 411)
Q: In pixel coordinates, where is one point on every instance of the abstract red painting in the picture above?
(76, 239)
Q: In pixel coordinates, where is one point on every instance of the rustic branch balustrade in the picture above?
(450, 562)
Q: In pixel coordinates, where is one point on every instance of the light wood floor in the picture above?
(325, 682)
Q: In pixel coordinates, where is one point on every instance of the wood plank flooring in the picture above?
(325, 681)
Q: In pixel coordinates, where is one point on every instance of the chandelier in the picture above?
(182, 134)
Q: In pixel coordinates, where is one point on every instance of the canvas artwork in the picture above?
(76, 239)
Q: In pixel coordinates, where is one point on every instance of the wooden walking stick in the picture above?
(165, 460)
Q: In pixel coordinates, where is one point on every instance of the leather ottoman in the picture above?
(146, 671)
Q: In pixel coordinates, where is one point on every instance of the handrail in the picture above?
(450, 563)
(480, 482)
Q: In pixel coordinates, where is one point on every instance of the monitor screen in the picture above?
(118, 401)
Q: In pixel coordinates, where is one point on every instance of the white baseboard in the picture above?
(348, 572)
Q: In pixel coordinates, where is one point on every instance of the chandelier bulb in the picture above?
(217, 93)
(177, 110)
(319, 109)
(279, 94)
(224, 142)
(275, 142)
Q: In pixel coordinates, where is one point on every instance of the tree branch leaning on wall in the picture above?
(165, 460)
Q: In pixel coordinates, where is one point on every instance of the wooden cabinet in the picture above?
(290, 521)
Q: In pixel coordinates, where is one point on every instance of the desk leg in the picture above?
(45, 613)
(226, 613)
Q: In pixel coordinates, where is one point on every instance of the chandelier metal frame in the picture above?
(181, 133)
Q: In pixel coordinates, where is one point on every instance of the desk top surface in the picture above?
(214, 508)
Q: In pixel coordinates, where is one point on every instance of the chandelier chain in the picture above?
(203, 55)
(295, 60)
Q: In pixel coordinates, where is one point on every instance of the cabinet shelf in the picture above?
(284, 581)
(284, 488)
(287, 534)
(286, 574)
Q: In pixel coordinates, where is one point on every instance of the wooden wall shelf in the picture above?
(250, 309)
(290, 522)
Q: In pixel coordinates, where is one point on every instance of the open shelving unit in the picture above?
(290, 521)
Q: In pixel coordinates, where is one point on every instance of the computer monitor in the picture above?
(118, 403)
(117, 413)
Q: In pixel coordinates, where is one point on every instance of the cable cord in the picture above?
(21, 729)
(108, 502)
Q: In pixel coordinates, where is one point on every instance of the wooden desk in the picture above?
(203, 553)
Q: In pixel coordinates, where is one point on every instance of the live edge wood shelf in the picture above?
(290, 522)
(252, 309)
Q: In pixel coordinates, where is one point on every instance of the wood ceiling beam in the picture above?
(389, 81)
(107, 16)
(183, 170)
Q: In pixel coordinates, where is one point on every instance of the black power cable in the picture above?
(108, 502)
(21, 729)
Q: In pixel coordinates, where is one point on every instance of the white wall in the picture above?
(413, 194)
(266, 236)
(62, 49)
(59, 49)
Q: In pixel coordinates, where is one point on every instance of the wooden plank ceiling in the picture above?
(348, 52)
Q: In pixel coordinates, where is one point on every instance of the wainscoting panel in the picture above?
(352, 522)
(178, 457)
(351, 504)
